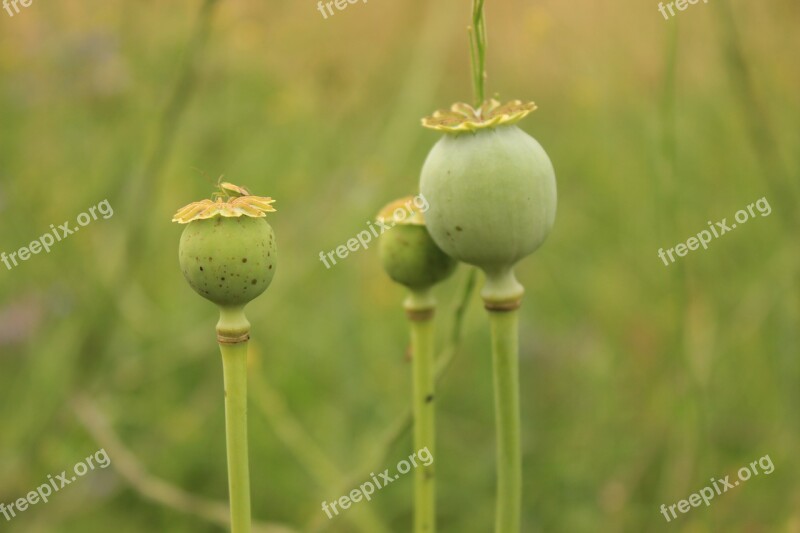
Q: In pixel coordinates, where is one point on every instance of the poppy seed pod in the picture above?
(411, 258)
(227, 251)
(407, 252)
(227, 254)
(491, 188)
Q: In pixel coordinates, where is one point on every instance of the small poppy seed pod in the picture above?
(491, 188)
(229, 261)
(227, 253)
(411, 258)
(408, 254)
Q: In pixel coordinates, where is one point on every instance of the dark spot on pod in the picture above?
(458, 228)
(210, 258)
(254, 282)
(201, 269)
(429, 398)
(270, 267)
(222, 279)
(244, 260)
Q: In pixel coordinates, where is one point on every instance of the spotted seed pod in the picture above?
(408, 254)
(491, 186)
(227, 251)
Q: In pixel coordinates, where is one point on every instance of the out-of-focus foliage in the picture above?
(640, 382)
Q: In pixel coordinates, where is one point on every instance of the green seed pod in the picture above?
(491, 189)
(229, 261)
(407, 252)
(227, 252)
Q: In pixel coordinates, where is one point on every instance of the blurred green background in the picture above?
(640, 382)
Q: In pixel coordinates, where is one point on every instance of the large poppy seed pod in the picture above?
(407, 252)
(492, 191)
(227, 251)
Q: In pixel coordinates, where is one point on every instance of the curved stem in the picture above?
(234, 365)
(505, 355)
(477, 48)
(419, 307)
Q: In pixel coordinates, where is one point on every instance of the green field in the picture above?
(640, 381)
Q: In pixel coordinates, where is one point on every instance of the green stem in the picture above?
(234, 364)
(501, 291)
(505, 355)
(232, 331)
(397, 430)
(233, 326)
(477, 48)
(420, 307)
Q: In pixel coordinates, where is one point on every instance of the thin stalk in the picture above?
(137, 191)
(233, 332)
(420, 309)
(105, 308)
(477, 49)
(234, 365)
(398, 429)
(505, 356)
(424, 424)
